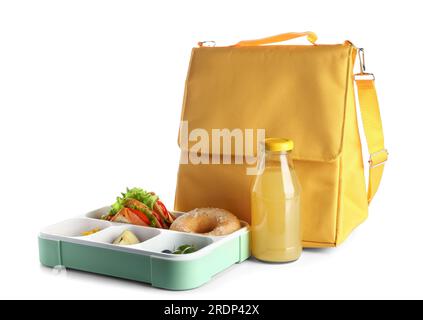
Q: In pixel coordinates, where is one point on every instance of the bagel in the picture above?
(207, 221)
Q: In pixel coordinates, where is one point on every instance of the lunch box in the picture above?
(62, 244)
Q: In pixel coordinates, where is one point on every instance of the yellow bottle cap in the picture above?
(278, 144)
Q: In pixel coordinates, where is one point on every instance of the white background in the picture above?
(90, 99)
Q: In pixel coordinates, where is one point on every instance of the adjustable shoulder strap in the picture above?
(372, 124)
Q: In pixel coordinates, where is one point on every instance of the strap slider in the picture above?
(364, 76)
(378, 158)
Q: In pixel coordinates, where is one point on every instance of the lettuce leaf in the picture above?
(135, 193)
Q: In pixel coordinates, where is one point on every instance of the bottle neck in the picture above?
(274, 158)
(277, 153)
(274, 155)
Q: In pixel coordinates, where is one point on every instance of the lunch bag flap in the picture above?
(291, 91)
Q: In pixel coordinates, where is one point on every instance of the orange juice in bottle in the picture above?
(275, 205)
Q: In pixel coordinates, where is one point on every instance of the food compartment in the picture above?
(76, 227)
(171, 241)
(109, 236)
(97, 214)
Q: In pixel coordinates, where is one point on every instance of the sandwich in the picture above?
(139, 207)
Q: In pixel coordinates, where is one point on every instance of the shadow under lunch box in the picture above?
(62, 244)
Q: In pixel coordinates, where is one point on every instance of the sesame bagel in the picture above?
(207, 221)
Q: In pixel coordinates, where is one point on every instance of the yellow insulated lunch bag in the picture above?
(302, 92)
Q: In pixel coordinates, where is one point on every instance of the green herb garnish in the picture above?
(185, 249)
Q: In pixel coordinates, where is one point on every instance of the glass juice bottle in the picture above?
(275, 204)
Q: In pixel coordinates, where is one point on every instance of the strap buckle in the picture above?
(362, 60)
(363, 75)
(373, 163)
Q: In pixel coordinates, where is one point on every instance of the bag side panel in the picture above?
(353, 206)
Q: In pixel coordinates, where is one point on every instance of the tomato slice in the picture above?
(167, 213)
(159, 220)
(141, 215)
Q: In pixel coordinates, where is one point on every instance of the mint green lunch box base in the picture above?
(159, 271)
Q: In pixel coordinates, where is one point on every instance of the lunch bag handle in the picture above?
(311, 37)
